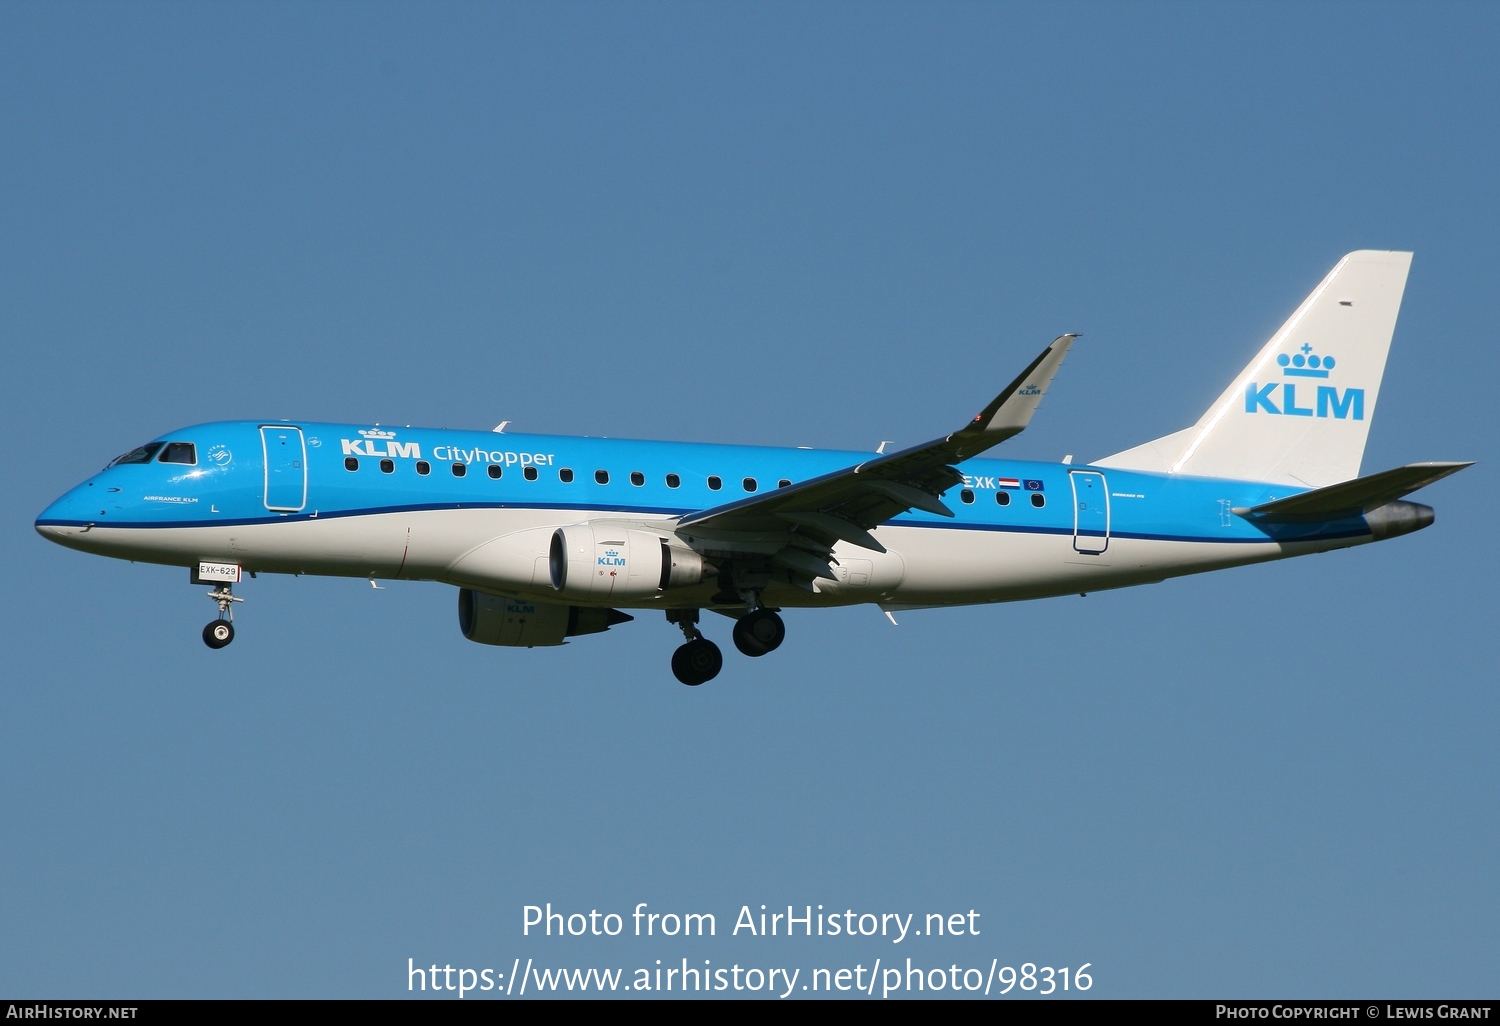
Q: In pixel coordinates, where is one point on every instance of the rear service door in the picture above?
(286, 467)
(1090, 511)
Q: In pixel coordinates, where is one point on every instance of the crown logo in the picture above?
(377, 433)
(1305, 364)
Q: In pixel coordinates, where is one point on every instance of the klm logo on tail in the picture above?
(1305, 364)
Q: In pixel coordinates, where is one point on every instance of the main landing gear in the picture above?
(759, 632)
(699, 660)
(220, 632)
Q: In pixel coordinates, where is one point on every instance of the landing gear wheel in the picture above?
(697, 662)
(218, 633)
(759, 632)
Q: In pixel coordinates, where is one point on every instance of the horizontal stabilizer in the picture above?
(1351, 498)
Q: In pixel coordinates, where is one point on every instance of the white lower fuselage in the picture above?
(927, 565)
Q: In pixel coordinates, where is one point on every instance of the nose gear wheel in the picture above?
(218, 633)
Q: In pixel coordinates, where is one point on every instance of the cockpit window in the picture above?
(141, 455)
(180, 452)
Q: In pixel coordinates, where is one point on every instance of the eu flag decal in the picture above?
(1033, 485)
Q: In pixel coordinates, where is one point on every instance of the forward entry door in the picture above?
(286, 468)
(1090, 512)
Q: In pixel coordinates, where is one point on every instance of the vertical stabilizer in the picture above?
(1300, 413)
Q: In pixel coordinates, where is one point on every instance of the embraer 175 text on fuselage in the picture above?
(550, 537)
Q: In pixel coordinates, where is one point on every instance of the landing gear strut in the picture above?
(759, 632)
(699, 660)
(220, 632)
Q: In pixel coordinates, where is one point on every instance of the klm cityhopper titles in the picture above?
(548, 538)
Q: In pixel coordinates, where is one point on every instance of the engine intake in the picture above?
(499, 620)
(600, 563)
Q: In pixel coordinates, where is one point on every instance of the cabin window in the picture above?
(750, 484)
(1002, 498)
(180, 452)
(601, 477)
(494, 471)
(565, 475)
(424, 468)
(966, 495)
(141, 455)
(783, 483)
(673, 481)
(529, 473)
(637, 478)
(387, 466)
(715, 483)
(350, 463)
(460, 469)
(1038, 499)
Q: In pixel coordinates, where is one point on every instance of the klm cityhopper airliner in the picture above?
(548, 538)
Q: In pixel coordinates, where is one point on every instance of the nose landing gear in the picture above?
(699, 660)
(220, 632)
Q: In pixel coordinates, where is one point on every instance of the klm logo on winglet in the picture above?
(1305, 364)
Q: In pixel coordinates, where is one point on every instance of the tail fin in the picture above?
(1299, 414)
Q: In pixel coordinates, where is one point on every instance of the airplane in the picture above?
(551, 537)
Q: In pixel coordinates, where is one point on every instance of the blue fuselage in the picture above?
(230, 484)
(250, 482)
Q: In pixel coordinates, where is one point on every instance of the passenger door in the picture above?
(1090, 512)
(286, 467)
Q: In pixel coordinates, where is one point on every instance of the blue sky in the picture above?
(788, 224)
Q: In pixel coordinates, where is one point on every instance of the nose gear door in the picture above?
(1090, 512)
(286, 467)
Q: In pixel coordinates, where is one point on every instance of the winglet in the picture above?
(1011, 410)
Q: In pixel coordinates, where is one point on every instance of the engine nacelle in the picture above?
(600, 563)
(498, 620)
(512, 563)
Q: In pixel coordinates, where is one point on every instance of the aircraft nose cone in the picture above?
(51, 532)
(65, 519)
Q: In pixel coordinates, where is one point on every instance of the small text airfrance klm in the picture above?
(767, 922)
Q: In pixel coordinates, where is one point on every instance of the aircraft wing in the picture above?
(846, 504)
(1351, 498)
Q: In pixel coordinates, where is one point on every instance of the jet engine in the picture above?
(497, 620)
(598, 562)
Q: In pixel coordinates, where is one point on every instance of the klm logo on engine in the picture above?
(1326, 400)
(611, 557)
(365, 446)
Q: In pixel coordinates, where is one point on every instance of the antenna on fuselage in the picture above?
(500, 427)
